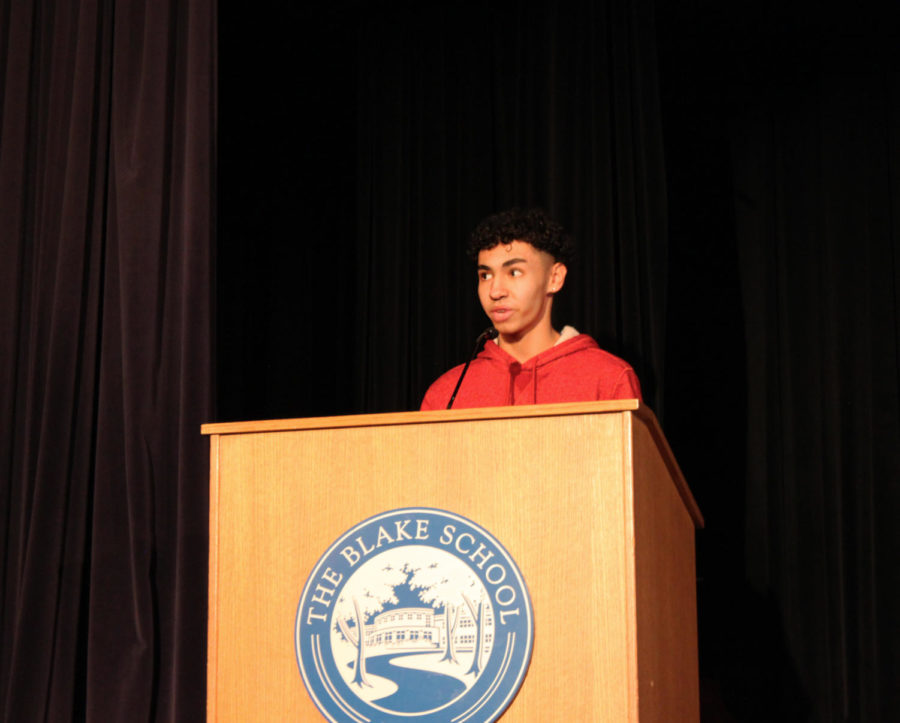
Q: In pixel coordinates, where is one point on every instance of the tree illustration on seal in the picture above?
(477, 613)
(372, 597)
(438, 590)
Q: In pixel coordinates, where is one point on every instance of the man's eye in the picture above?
(516, 272)
(484, 276)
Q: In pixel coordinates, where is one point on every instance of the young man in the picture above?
(521, 257)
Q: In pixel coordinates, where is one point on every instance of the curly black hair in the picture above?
(531, 225)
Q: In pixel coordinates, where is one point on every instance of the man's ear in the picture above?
(557, 277)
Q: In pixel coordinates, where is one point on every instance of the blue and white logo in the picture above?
(415, 614)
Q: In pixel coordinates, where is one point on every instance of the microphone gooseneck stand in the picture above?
(486, 335)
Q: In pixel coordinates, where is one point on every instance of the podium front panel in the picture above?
(556, 491)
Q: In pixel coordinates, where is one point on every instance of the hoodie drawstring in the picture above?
(515, 368)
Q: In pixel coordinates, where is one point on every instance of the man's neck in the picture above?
(530, 345)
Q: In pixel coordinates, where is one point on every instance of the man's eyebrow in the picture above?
(508, 262)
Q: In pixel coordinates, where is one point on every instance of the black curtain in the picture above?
(762, 311)
(345, 286)
(465, 112)
(782, 371)
(106, 222)
(817, 207)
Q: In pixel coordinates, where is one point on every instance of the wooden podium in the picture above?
(587, 498)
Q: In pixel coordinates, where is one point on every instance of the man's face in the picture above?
(516, 283)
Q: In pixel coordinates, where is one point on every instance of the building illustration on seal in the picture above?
(418, 609)
(422, 629)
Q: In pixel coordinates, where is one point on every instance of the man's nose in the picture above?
(498, 288)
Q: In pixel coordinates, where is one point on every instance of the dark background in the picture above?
(212, 212)
(779, 126)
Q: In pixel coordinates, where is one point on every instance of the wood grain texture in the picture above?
(553, 487)
(212, 649)
(665, 593)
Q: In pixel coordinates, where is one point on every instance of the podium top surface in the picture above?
(441, 415)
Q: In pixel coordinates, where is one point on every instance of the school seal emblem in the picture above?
(414, 614)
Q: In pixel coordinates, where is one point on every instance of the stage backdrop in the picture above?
(346, 218)
(782, 130)
(776, 351)
(107, 150)
(360, 143)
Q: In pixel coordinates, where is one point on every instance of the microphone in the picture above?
(486, 335)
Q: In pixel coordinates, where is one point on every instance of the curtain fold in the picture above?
(107, 164)
(816, 216)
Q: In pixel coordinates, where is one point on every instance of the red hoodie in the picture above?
(574, 370)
